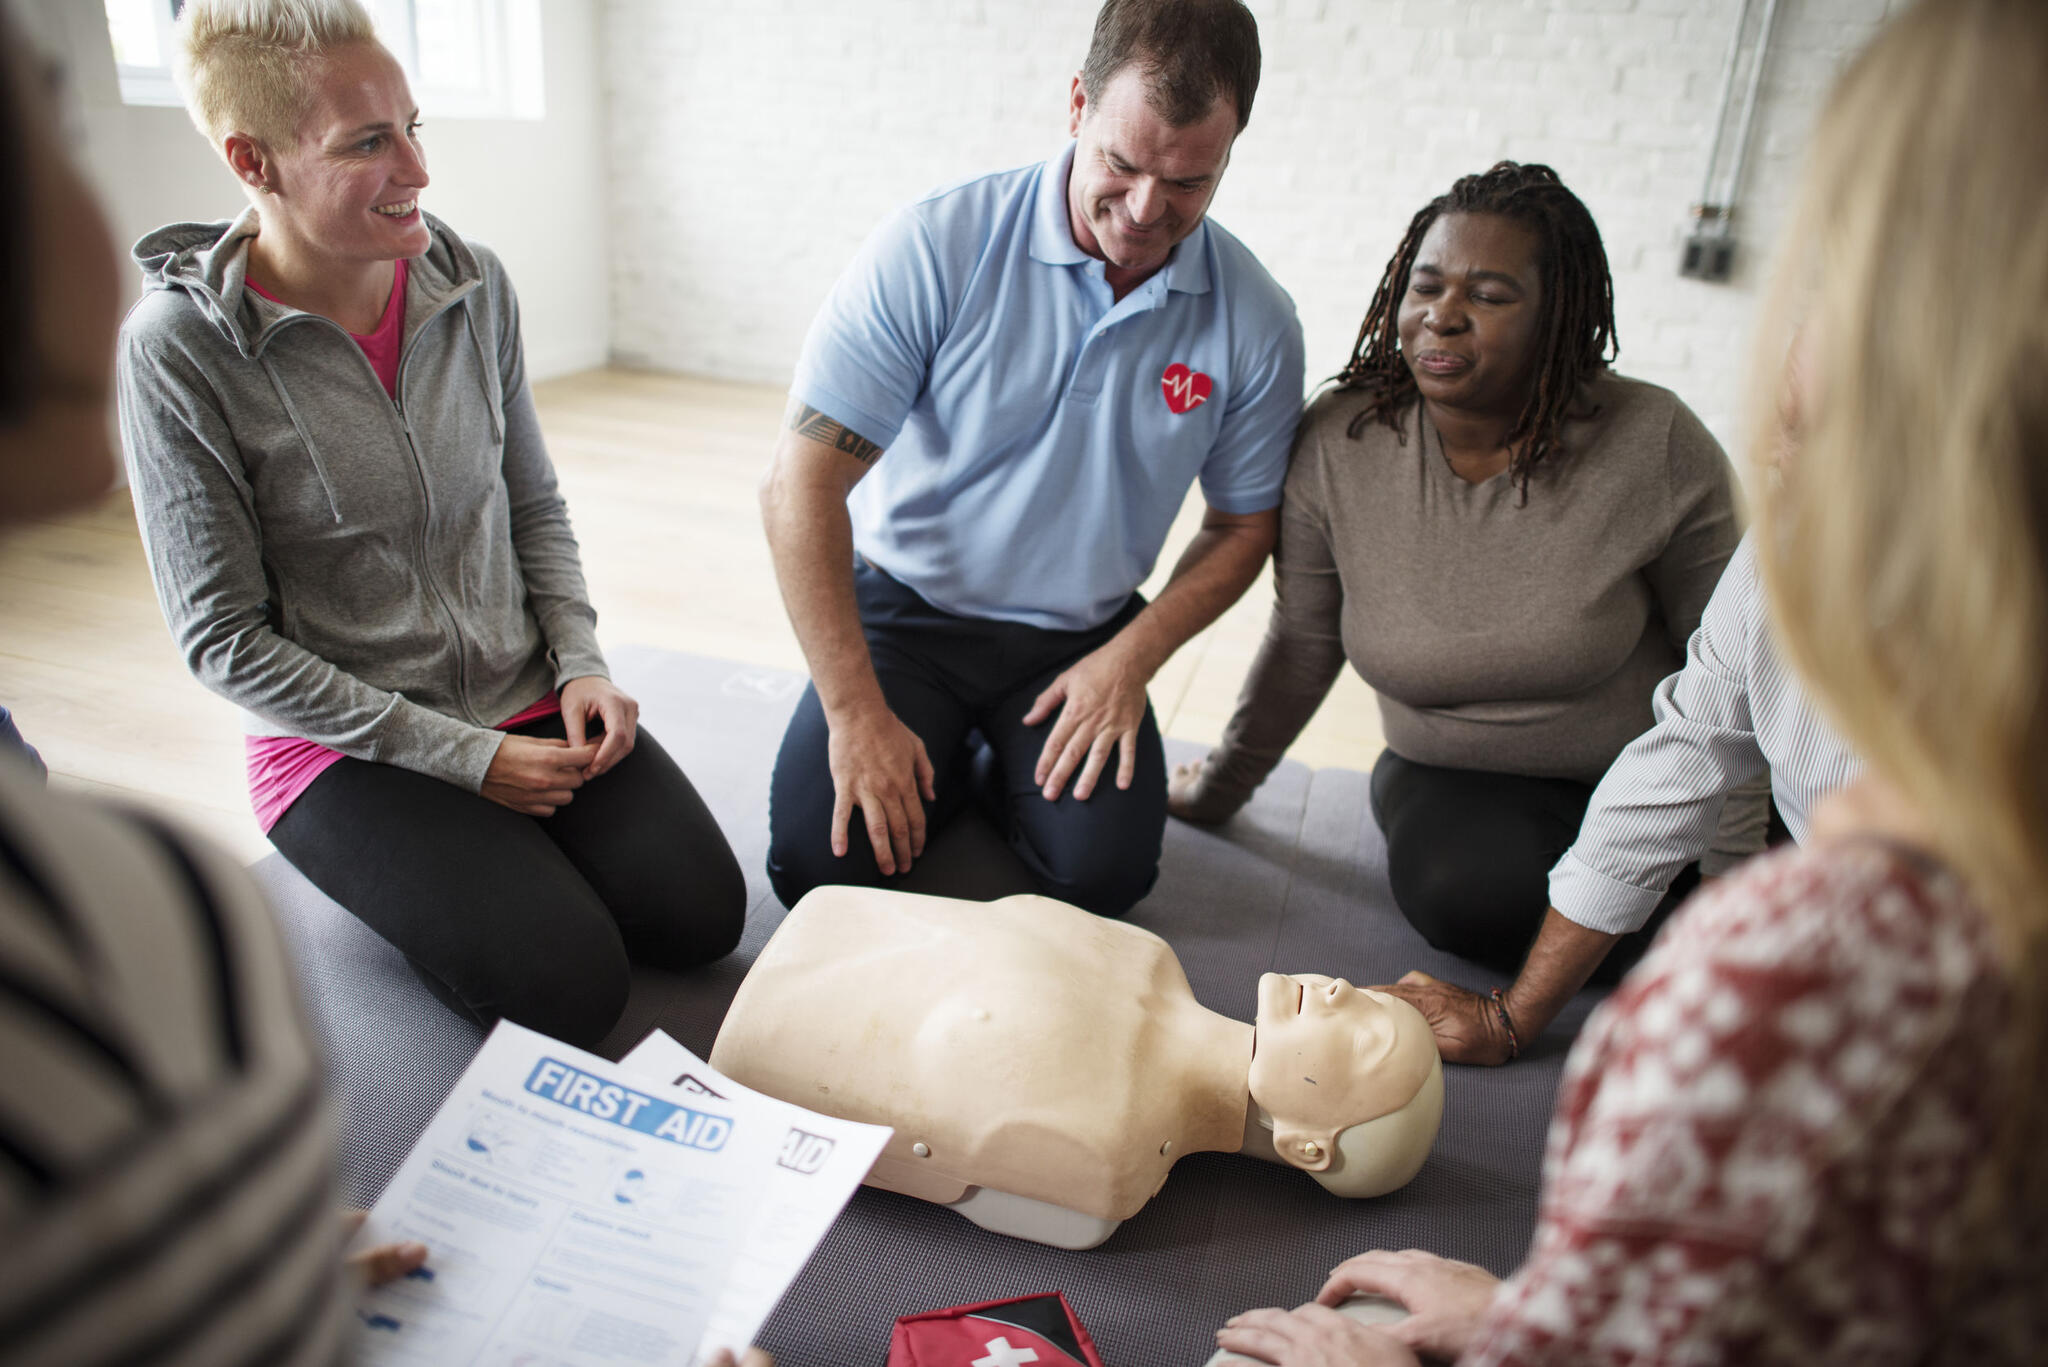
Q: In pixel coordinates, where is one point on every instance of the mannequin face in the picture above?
(1328, 1055)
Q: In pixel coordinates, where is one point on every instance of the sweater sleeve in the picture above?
(1303, 650)
(549, 559)
(205, 547)
(1704, 527)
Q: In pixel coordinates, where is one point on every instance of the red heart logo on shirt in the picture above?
(1185, 389)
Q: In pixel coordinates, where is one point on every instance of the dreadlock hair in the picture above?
(1577, 341)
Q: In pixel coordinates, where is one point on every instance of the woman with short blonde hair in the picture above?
(1808, 1127)
(358, 539)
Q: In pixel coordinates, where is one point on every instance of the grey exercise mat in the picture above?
(1296, 882)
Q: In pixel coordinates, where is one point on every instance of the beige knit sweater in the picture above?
(1516, 639)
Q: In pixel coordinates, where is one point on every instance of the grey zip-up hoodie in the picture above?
(388, 579)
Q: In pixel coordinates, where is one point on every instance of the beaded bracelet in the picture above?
(1500, 1004)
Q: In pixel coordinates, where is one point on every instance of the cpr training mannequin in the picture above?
(1043, 1067)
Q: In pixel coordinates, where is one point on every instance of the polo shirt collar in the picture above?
(1052, 238)
(1187, 269)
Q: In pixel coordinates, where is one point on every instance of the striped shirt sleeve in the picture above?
(1733, 716)
(166, 1191)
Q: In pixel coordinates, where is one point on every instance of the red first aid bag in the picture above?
(1032, 1331)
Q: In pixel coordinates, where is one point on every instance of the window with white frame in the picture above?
(466, 59)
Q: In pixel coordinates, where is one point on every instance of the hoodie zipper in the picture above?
(420, 548)
(426, 568)
(426, 497)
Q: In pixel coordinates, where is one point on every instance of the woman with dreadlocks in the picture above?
(1510, 543)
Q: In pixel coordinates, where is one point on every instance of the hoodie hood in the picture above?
(210, 263)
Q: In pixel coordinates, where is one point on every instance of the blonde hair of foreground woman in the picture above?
(244, 64)
(1904, 536)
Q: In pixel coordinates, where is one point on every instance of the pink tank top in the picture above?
(380, 346)
(282, 767)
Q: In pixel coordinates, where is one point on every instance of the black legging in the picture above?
(530, 918)
(1469, 855)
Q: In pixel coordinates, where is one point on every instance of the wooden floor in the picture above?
(660, 473)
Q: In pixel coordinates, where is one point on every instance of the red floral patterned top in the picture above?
(1763, 1138)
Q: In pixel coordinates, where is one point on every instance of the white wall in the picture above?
(753, 145)
(532, 190)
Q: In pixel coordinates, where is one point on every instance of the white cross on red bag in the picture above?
(1032, 1331)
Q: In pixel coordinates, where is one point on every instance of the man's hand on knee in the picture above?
(880, 766)
(1101, 705)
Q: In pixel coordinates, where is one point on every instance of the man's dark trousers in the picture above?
(956, 682)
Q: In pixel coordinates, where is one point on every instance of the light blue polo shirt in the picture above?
(1040, 435)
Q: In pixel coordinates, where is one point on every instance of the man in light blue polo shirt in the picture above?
(1049, 357)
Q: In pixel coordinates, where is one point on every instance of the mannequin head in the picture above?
(1329, 1059)
(1384, 1154)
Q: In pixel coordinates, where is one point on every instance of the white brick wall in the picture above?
(755, 142)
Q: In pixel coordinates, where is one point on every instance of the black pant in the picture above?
(530, 918)
(951, 679)
(1469, 855)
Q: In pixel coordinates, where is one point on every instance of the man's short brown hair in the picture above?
(1191, 53)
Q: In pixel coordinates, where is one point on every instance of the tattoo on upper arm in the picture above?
(807, 421)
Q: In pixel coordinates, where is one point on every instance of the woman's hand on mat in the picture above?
(533, 775)
(1445, 1300)
(1466, 1025)
(1312, 1336)
(384, 1263)
(1191, 799)
(1101, 702)
(594, 697)
(879, 765)
(754, 1358)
